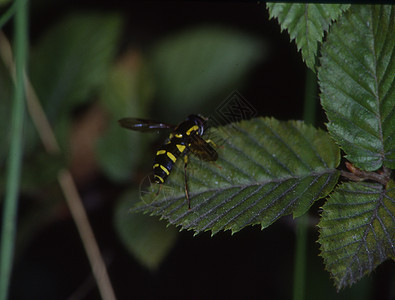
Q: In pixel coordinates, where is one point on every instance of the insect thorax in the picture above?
(176, 146)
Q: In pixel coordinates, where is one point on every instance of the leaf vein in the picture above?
(350, 74)
(251, 205)
(212, 222)
(311, 146)
(275, 134)
(266, 171)
(359, 145)
(263, 148)
(208, 212)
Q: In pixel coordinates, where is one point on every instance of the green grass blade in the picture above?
(15, 155)
(299, 279)
(8, 14)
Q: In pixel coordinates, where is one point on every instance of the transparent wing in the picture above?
(202, 149)
(143, 125)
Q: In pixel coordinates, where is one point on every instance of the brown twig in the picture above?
(356, 174)
(81, 220)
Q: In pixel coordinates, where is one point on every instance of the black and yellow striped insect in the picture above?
(185, 137)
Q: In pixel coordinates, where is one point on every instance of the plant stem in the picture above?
(310, 98)
(14, 162)
(360, 175)
(88, 238)
(302, 222)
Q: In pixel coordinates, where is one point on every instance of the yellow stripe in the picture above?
(171, 156)
(193, 128)
(180, 148)
(165, 170)
(160, 178)
(161, 152)
(162, 167)
(178, 135)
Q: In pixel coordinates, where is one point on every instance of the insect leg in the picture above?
(212, 143)
(159, 189)
(186, 181)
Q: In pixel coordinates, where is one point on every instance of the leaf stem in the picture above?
(302, 222)
(14, 162)
(356, 174)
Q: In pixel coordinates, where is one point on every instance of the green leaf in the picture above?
(266, 169)
(72, 59)
(357, 230)
(146, 238)
(306, 24)
(49, 166)
(357, 85)
(118, 152)
(195, 66)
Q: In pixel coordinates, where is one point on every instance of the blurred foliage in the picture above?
(5, 111)
(70, 62)
(4, 2)
(147, 238)
(77, 51)
(197, 66)
(127, 92)
(85, 85)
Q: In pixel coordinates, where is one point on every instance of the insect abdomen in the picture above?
(165, 158)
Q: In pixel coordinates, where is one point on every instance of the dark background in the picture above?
(250, 264)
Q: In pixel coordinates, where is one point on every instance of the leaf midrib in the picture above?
(237, 186)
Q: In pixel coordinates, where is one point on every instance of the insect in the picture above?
(185, 137)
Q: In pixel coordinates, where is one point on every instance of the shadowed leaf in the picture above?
(120, 151)
(72, 59)
(145, 237)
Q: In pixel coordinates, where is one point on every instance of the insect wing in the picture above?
(143, 125)
(202, 149)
